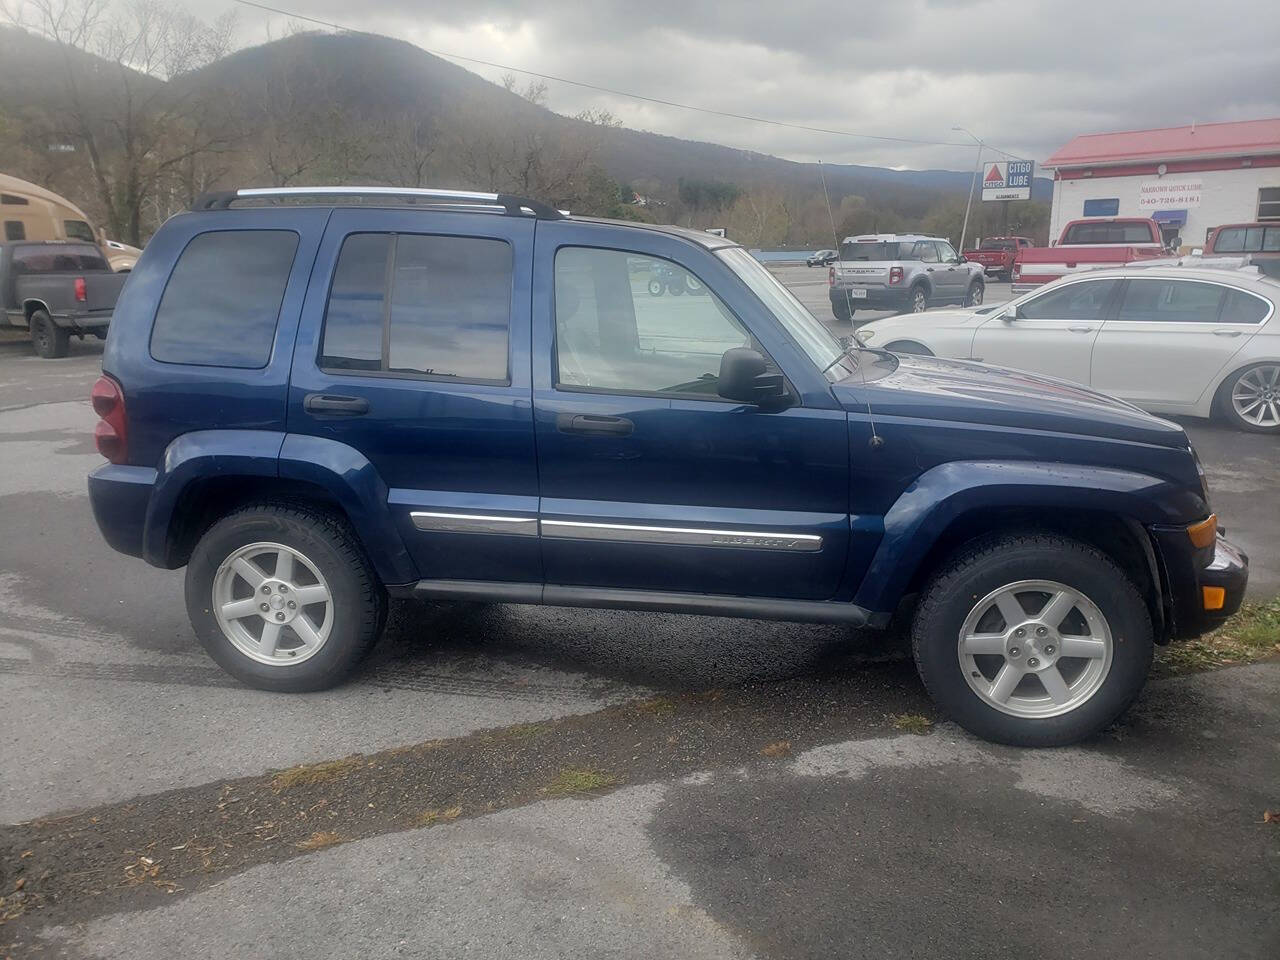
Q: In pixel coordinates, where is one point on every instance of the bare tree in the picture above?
(141, 136)
(409, 145)
(759, 217)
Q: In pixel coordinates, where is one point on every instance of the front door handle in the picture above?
(594, 424)
(331, 405)
(1226, 333)
(1080, 329)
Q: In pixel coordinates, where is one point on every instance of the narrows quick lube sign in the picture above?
(1007, 180)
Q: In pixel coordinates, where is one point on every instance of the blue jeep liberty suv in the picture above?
(315, 399)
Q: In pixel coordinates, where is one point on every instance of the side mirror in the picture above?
(744, 377)
(1010, 314)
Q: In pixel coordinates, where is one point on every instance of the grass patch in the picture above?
(433, 816)
(916, 723)
(579, 780)
(779, 748)
(319, 840)
(311, 773)
(1252, 634)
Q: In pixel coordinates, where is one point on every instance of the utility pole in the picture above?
(972, 183)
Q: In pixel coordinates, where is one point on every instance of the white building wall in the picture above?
(1226, 196)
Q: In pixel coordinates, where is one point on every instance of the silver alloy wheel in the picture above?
(1255, 396)
(272, 603)
(975, 296)
(919, 302)
(1035, 649)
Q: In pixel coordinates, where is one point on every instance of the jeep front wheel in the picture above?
(1033, 640)
(283, 598)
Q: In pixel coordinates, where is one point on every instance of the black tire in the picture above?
(917, 300)
(984, 566)
(973, 296)
(359, 601)
(1226, 409)
(909, 346)
(49, 339)
(841, 310)
(675, 288)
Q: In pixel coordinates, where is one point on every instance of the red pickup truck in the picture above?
(996, 254)
(1085, 245)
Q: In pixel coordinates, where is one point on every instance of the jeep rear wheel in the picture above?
(974, 296)
(283, 598)
(1033, 640)
(841, 310)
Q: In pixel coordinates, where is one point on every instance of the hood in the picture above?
(933, 388)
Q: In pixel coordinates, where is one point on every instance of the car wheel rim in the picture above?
(918, 302)
(273, 604)
(1035, 649)
(1256, 396)
(976, 298)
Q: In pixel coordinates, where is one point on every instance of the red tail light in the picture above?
(895, 275)
(831, 276)
(111, 435)
(82, 294)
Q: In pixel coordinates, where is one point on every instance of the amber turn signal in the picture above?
(1214, 597)
(1204, 533)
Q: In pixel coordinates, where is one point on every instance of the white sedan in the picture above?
(1192, 341)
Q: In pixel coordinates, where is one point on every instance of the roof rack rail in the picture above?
(513, 206)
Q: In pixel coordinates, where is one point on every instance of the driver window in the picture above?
(1075, 301)
(636, 324)
(947, 252)
(926, 252)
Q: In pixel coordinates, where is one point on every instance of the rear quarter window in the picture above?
(222, 302)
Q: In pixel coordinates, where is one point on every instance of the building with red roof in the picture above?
(1190, 178)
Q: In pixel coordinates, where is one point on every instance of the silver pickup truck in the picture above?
(903, 272)
(57, 290)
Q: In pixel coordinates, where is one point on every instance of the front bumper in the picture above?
(877, 297)
(1187, 572)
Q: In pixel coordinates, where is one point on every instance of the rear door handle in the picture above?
(1226, 333)
(328, 404)
(594, 424)
(1080, 329)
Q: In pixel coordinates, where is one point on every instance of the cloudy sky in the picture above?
(1024, 75)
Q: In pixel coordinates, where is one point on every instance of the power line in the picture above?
(634, 96)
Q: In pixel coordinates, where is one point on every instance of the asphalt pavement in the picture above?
(533, 782)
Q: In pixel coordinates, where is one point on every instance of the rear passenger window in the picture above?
(1242, 307)
(424, 306)
(1164, 301)
(15, 230)
(222, 302)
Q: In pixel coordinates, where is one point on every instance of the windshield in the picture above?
(876, 250)
(814, 339)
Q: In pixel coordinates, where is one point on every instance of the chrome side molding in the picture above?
(681, 536)
(474, 523)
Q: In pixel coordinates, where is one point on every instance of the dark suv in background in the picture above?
(349, 395)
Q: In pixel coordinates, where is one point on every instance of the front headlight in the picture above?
(865, 335)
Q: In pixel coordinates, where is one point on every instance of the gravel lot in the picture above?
(539, 782)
